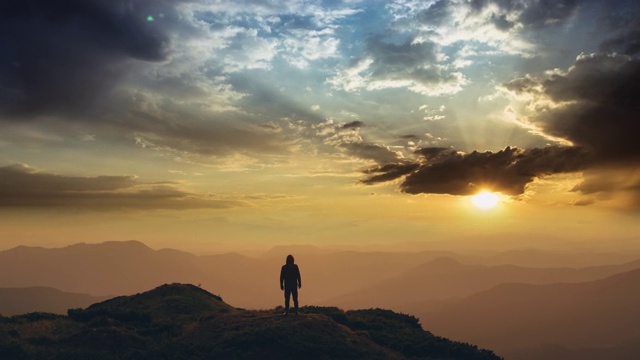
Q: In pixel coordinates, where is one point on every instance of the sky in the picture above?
(208, 125)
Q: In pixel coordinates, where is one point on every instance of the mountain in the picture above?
(180, 321)
(445, 278)
(516, 318)
(550, 259)
(98, 269)
(128, 267)
(14, 301)
(281, 251)
(351, 279)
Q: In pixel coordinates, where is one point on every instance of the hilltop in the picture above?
(181, 321)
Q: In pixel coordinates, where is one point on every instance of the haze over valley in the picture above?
(509, 308)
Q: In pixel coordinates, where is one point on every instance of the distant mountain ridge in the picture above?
(181, 321)
(444, 278)
(97, 269)
(15, 301)
(129, 267)
(518, 318)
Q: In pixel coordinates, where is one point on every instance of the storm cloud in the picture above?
(61, 56)
(599, 105)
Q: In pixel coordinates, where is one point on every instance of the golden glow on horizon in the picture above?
(485, 200)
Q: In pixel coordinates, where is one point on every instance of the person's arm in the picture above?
(282, 278)
(299, 278)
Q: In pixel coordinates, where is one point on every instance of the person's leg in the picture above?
(294, 293)
(287, 297)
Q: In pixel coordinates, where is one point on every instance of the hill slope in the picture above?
(596, 314)
(185, 322)
(446, 278)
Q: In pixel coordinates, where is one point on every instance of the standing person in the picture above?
(290, 282)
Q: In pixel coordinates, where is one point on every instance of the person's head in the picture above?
(289, 259)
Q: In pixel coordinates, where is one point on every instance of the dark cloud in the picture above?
(393, 60)
(445, 171)
(388, 172)
(21, 178)
(548, 12)
(501, 22)
(530, 14)
(22, 186)
(353, 125)
(623, 22)
(409, 137)
(63, 56)
(600, 104)
(197, 139)
(628, 43)
(435, 14)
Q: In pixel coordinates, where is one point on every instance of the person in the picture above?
(290, 282)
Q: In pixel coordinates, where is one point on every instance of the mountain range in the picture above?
(446, 278)
(518, 311)
(128, 267)
(518, 320)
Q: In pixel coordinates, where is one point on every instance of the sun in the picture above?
(485, 200)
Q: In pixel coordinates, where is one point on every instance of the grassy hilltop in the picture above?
(180, 321)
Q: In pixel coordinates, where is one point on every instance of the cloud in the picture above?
(200, 140)
(628, 43)
(413, 64)
(426, 43)
(23, 186)
(378, 153)
(593, 104)
(177, 84)
(532, 14)
(62, 56)
(624, 26)
(446, 171)
(616, 186)
(347, 139)
(353, 125)
(388, 172)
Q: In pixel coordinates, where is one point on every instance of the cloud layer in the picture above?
(207, 83)
(23, 186)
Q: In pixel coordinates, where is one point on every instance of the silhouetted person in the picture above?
(290, 282)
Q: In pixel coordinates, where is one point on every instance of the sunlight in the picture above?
(485, 200)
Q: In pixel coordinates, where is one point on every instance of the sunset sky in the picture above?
(209, 125)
